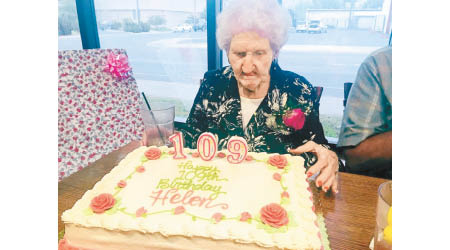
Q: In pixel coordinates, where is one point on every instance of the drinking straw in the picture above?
(153, 116)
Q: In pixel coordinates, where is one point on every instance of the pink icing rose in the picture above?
(217, 217)
(140, 169)
(195, 155)
(278, 161)
(102, 202)
(249, 158)
(153, 153)
(221, 155)
(274, 215)
(179, 210)
(285, 195)
(245, 216)
(277, 177)
(122, 184)
(294, 119)
(140, 211)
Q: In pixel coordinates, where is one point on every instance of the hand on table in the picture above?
(327, 163)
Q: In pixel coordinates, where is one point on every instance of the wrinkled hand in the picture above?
(327, 163)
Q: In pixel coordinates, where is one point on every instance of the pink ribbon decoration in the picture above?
(117, 65)
(295, 119)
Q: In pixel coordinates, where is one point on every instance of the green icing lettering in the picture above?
(195, 178)
(163, 184)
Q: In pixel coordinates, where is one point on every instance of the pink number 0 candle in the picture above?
(177, 140)
(237, 146)
(207, 146)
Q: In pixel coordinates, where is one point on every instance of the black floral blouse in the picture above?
(217, 109)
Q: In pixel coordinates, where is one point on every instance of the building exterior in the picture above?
(175, 12)
(349, 17)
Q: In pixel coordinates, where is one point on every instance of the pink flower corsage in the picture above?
(117, 65)
(295, 119)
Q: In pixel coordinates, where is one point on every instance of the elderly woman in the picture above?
(254, 98)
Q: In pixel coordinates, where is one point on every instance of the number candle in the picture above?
(207, 146)
(237, 146)
(178, 142)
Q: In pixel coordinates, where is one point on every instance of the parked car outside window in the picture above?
(183, 28)
(314, 28)
(301, 27)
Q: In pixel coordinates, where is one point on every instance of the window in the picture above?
(165, 42)
(68, 30)
(327, 43)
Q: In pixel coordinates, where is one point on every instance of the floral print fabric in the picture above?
(97, 112)
(217, 109)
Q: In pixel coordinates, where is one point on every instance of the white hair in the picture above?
(265, 17)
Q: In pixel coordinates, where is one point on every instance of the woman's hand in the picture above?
(327, 163)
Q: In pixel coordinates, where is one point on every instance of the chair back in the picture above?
(347, 87)
(97, 112)
(318, 90)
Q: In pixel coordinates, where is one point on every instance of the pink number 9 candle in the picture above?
(237, 146)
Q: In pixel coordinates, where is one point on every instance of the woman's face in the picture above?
(250, 56)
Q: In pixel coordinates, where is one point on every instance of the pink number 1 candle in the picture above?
(177, 140)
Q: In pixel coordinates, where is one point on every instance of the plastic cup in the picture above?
(158, 123)
(383, 204)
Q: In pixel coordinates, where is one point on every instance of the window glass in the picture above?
(327, 42)
(165, 42)
(68, 29)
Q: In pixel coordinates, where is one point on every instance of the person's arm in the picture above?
(372, 152)
(366, 138)
(327, 160)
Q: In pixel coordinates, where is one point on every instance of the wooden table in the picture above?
(349, 215)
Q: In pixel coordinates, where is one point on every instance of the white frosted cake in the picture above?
(152, 201)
